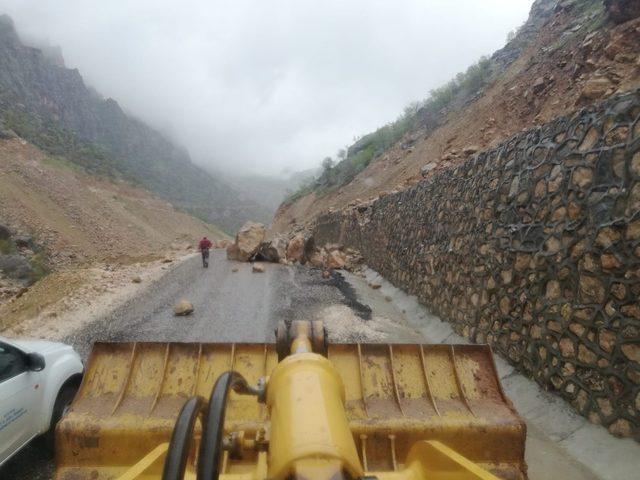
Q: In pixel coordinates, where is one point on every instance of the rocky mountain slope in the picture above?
(51, 107)
(66, 216)
(568, 54)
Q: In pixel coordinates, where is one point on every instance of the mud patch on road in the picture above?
(350, 296)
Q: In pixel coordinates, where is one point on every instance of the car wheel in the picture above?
(60, 407)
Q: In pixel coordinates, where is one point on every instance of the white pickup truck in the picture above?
(38, 380)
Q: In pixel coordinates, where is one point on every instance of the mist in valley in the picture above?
(266, 88)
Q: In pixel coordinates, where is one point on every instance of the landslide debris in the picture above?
(299, 247)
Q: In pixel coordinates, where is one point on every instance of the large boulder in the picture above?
(248, 240)
(232, 251)
(295, 248)
(621, 11)
(273, 250)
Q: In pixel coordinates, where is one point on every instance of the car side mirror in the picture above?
(36, 362)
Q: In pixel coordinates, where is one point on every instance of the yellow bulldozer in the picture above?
(297, 409)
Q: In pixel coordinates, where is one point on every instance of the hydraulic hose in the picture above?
(211, 443)
(176, 461)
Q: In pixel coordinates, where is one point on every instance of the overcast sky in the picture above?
(268, 86)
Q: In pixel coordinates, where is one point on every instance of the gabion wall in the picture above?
(532, 247)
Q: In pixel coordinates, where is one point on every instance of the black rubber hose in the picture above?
(176, 461)
(211, 443)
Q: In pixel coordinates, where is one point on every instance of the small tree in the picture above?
(327, 164)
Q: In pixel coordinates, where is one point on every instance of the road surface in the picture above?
(229, 306)
(245, 306)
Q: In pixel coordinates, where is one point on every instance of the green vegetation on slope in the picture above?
(359, 155)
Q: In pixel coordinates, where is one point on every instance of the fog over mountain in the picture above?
(265, 87)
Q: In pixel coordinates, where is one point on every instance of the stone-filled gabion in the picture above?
(532, 247)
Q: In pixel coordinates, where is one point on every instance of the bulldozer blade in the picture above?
(395, 395)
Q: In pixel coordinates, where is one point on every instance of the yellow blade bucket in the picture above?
(396, 395)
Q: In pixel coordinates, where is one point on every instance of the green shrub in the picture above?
(7, 247)
(40, 268)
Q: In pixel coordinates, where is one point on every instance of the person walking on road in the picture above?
(205, 245)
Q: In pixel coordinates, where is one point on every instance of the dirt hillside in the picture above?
(574, 54)
(77, 217)
(78, 236)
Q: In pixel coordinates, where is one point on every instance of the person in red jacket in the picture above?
(205, 245)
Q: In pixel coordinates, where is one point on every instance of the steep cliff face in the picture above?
(51, 107)
(567, 55)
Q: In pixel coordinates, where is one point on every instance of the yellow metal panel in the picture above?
(453, 396)
(395, 396)
(309, 430)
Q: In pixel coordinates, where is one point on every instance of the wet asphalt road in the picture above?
(229, 306)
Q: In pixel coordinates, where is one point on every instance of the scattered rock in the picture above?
(375, 285)
(326, 274)
(257, 268)
(183, 308)
(318, 259)
(330, 247)
(538, 85)
(336, 259)
(471, 149)
(136, 279)
(295, 248)
(427, 168)
(234, 269)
